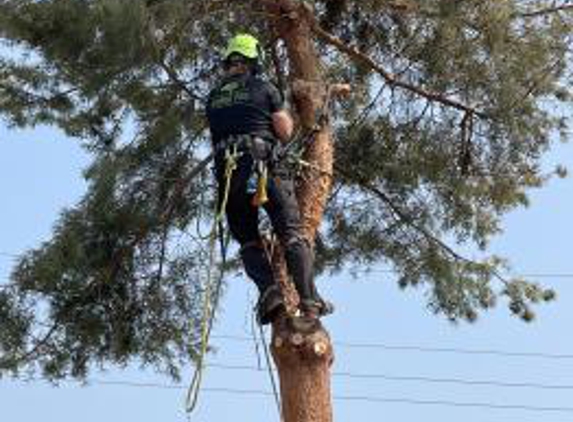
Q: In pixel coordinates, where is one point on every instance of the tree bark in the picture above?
(302, 350)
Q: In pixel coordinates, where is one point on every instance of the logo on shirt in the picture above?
(230, 94)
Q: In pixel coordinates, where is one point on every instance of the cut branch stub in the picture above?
(302, 338)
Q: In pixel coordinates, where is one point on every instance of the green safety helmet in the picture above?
(244, 44)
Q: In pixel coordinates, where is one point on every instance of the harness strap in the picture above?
(261, 197)
(239, 141)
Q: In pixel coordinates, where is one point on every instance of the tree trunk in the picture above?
(303, 354)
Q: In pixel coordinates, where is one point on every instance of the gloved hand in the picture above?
(259, 148)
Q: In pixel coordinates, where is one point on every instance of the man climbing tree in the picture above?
(246, 116)
(454, 104)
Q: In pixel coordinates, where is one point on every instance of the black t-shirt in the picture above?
(243, 104)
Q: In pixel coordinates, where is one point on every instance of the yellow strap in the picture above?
(261, 196)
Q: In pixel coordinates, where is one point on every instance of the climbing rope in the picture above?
(268, 247)
(270, 372)
(208, 311)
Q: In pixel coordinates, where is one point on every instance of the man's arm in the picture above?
(283, 125)
(281, 118)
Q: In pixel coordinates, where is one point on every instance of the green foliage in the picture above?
(123, 275)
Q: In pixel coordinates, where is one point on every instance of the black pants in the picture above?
(283, 211)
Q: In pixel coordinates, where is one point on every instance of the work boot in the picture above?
(316, 308)
(270, 305)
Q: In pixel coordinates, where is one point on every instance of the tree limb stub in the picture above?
(305, 336)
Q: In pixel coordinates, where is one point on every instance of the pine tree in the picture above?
(453, 105)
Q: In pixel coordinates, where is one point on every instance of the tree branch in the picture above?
(402, 215)
(389, 77)
(41, 342)
(159, 56)
(547, 11)
(174, 77)
(537, 82)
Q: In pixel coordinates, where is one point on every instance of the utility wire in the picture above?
(565, 275)
(425, 349)
(409, 348)
(523, 275)
(459, 381)
(364, 398)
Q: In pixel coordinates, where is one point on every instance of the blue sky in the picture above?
(40, 173)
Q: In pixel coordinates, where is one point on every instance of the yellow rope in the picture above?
(195, 386)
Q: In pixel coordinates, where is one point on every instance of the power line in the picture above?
(565, 275)
(546, 275)
(454, 350)
(425, 349)
(558, 275)
(409, 348)
(459, 381)
(364, 398)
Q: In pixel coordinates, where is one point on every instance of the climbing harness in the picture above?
(208, 312)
